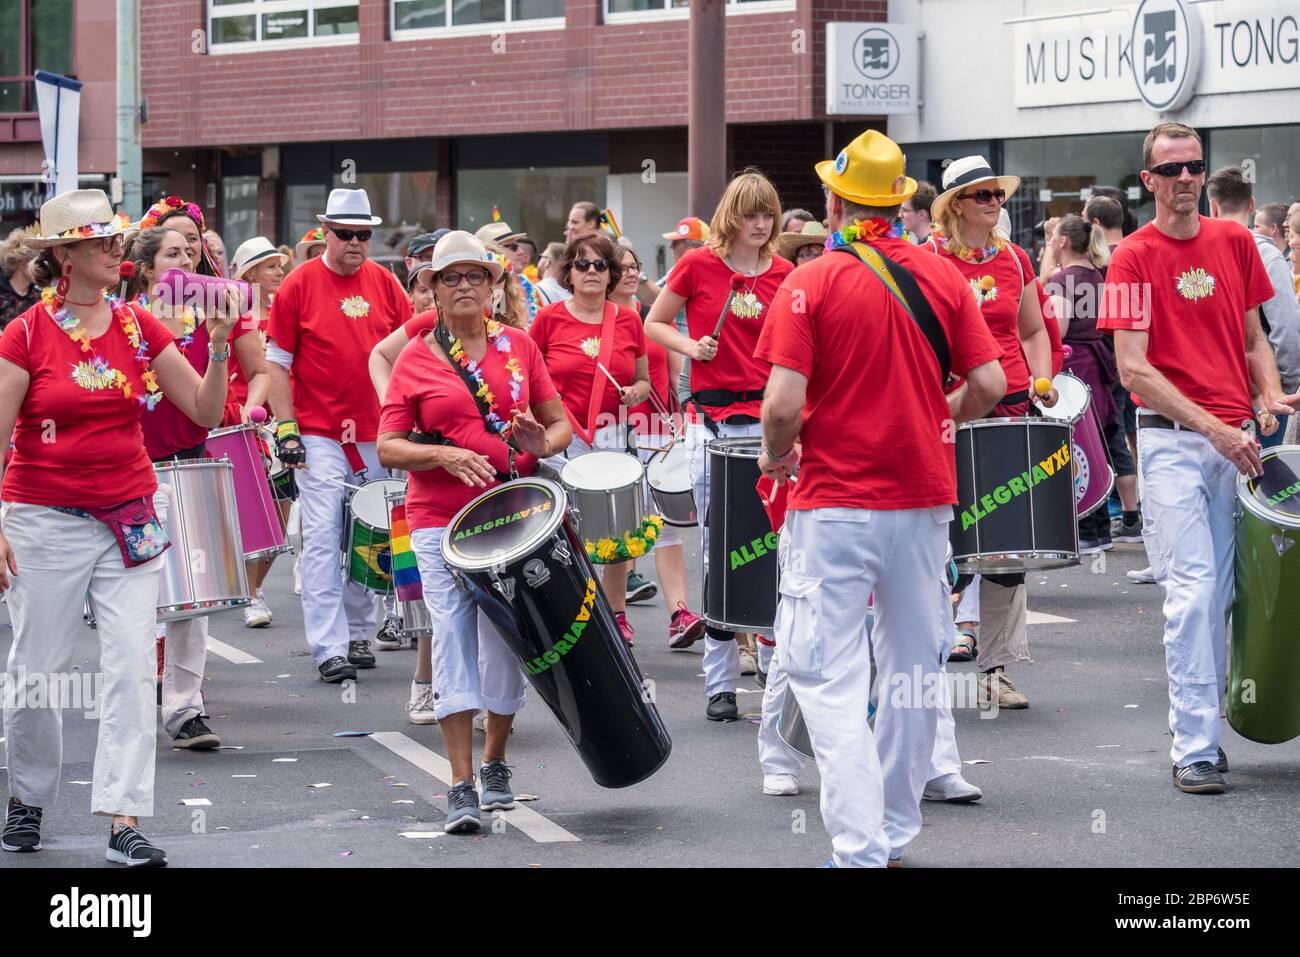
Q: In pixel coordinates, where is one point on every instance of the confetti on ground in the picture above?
(243, 775)
(284, 760)
(346, 854)
(353, 734)
(223, 829)
(525, 797)
(231, 747)
(1130, 706)
(976, 761)
(1101, 746)
(88, 782)
(422, 835)
(284, 676)
(323, 784)
(399, 784)
(404, 801)
(196, 802)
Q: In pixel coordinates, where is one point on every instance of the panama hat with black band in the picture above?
(964, 173)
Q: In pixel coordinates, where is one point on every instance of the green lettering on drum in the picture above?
(1018, 485)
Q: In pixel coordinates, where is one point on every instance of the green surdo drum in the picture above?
(1264, 666)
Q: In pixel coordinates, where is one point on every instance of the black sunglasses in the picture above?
(1195, 167)
(347, 235)
(985, 196)
(584, 265)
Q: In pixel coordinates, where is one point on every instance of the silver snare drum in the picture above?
(416, 622)
(668, 473)
(604, 491)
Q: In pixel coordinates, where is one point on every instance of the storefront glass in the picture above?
(535, 201)
(1270, 153)
(238, 211)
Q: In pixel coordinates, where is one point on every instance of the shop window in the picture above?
(263, 24)
(535, 201)
(35, 36)
(238, 210)
(628, 9)
(302, 202)
(1271, 154)
(425, 15)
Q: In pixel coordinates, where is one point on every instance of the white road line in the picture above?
(231, 653)
(539, 828)
(1042, 618)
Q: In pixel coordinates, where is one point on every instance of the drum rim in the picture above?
(553, 522)
(203, 463)
(1047, 413)
(732, 446)
(602, 491)
(1011, 558)
(230, 429)
(1014, 420)
(1248, 502)
(767, 631)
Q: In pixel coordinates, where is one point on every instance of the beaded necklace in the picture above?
(497, 339)
(96, 374)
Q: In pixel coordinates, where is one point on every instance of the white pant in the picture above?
(721, 658)
(831, 561)
(334, 610)
(185, 656)
(1189, 491)
(473, 669)
(968, 609)
(60, 558)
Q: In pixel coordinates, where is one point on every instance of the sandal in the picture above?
(963, 648)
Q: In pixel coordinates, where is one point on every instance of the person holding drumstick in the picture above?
(472, 667)
(726, 288)
(576, 338)
(1002, 280)
(91, 492)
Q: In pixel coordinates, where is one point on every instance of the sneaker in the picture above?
(625, 627)
(22, 831)
(126, 845)
(256, 614)
(722, 707)
(780, 785)
(388, 637)
(359, 654)
(495, 780)
(419, 709)
(1199, 778)
(1222, 764)
(196, 736)
(1009, 697)
(337, 669)
(1127, 534)
(1089, 546)
(1142, 576)
(951, 789)
(462, 809)
(1104, 541)
(748, 662)
(685, 628)
(639, 589)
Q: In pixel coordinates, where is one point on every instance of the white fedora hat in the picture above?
(349, 207)
(252, 252)
(499, 233)
(965, 172)
(76, 215)
(458, 247)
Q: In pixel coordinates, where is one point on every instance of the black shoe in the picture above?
(1199, 778)
(126, 845)
(722, 707)
(338, 669)
(359, 654)
(388, 637)
(22, 831)
(196, 736)
(639, 589)
(1222, 764)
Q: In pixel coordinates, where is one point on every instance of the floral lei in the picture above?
(189, 322)
(859, 231)
(97, 373)
(955, 247)
(632, 545)
(497, 339)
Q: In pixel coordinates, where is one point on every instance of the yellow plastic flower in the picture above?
(651, 533)
(606, 549)
(656, 520)
(635, 546)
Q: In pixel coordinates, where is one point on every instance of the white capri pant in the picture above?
(473, 669)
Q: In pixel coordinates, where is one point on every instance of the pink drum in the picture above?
(259, 522)
(1093, 476)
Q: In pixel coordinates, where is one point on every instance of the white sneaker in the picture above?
(1142, 576)
(952, 788)
(419, 710)
(780, 785)
(297, 577)
(256, 614)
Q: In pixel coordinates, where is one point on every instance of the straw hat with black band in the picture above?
(251, 252)
(964, 173)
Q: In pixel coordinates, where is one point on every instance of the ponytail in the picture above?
(1084, 240)
(1098, 251)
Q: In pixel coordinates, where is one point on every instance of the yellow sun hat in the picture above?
(867, 172)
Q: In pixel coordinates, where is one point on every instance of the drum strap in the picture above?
(437, 438)
(598, 381)
(720, 397)
(442, 335)
(905, 290)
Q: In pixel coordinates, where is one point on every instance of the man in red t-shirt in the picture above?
(869, 512)
(1182, 295)
(327, 317)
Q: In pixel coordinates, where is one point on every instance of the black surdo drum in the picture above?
(740, 588)
(515, 549)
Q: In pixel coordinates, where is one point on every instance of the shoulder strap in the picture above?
(904, 288)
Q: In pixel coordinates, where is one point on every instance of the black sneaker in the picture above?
(722, 707)
(359, 654)
(338, 669)
(126, 845)
(1199, 778)
(1104, 540)
(1125, 533)
(196, 736)
(22, 831)
(639, 589)
(388, 637)
(1222, 764)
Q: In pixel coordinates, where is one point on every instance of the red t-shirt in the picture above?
(78, 444)
(997, 286)
(1191, 297)
(238, 394)
(1053, 328)
(644, 418)
(874, 420)
(331, 323)
(426, 395)
(704, 280)
(168, 430)
(571, 349)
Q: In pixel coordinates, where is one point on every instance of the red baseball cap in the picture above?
(692, 227)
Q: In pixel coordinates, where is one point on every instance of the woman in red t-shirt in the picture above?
(75, 372)
(472, 667)
(726, 287)
(572, 338)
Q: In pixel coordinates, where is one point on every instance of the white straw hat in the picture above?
(76, 215)
(252, 252)
(966, 172)
(459, 246)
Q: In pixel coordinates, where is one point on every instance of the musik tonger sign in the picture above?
(871, 68)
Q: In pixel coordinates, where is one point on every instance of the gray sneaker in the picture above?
(462, 809)
(495, 778)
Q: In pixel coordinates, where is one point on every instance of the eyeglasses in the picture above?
(1195, 167)
(112, 244)
(452, 279)
(347, 235)
(512, 247)
(983, 197)
(584, 265)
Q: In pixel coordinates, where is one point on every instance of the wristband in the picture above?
(214, 356)
(287, 429)
(778, 459)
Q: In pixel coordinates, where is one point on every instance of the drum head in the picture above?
(1275, 496)
(504, 523)
(1073, 400)
(602, 471)
(369, 504)
(670, 470)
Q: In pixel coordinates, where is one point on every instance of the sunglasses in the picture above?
(584, 265)
(347, 235)
(1195, 167)
(452, 279)
(983, 197)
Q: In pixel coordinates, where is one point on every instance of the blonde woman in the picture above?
(726, 380)
(18, 291)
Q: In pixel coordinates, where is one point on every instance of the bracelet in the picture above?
(214, 356)
(778, 459)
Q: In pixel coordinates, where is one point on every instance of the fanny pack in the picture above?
(135, 525)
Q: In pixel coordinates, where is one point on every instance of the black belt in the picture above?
(724, 397)
(1152, 420)
(437, 438)
(1015, 398)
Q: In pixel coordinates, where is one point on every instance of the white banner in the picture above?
(58, 101)
(871, 68)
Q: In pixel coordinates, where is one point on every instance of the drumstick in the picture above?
(617, 387)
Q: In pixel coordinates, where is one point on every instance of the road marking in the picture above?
(1042, 618)
(231, 653)
(539, 828)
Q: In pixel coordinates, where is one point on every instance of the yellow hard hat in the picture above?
(867, 171)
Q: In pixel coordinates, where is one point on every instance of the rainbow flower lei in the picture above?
(497, 339)
(955, 247)
(611, 551)
(97, 373)
(859, 231)
(189, 322)
(118, 224)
